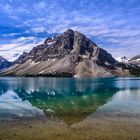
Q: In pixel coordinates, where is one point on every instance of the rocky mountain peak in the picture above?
(72, 43)
(48, 40)
(67, 54)
(69, 31)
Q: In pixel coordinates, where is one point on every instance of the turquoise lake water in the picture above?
(68, 99)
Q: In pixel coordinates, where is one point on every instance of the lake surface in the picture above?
(69, 109)
(69, 100)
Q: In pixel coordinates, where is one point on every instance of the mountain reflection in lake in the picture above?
(71, 100)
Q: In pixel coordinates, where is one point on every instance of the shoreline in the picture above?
(99, 128)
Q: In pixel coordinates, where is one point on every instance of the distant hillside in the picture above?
(136, 61)
(4, 63)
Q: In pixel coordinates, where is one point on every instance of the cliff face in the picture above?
(69, 54)
(4, 63)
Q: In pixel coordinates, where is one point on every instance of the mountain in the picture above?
(122, 59)
(68, 54)
(135, 60)
(4, 63)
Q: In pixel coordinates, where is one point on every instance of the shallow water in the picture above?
(69, 100)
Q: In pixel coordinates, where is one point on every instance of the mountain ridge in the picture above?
(68, 54)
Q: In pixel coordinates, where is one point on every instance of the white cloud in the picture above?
(114, 26)
(38, 29)
(9, 10)
(40, 5)
(14, 13)
(10, 34)
(122, 33)
(128, 51)
(17, 46)
(25, 40)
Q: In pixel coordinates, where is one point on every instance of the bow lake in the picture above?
(69, 108)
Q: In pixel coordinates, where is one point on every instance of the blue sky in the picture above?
(113, 24)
